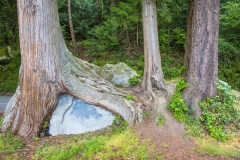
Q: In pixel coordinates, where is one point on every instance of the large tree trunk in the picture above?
(153, 75)
(48, 69)
(201, 57)
(71, 27)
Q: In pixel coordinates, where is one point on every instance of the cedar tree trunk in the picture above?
(153, 75)
(201, 57)
(48, 69)
(71, 27)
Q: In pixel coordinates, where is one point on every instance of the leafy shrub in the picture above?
(218, 113)
(134, 80)
(177, 106)
(9, 74)
(172, 66)
(130, 97)
(180, 37)
(119, 125)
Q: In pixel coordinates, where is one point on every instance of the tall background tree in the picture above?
(71, 27)
(153, 75)
(201, 56)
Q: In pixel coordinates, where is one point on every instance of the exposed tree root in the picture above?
(77, 79)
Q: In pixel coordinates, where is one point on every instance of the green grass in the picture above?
(126, 145)
(215, 147)
(120, 143)
(160, 120)
(9, 143)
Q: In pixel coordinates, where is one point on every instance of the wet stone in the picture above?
(73, 116)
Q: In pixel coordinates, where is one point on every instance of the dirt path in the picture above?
(169, 138)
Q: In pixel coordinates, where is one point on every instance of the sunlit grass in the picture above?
(126, 145)
(9, 143)
(215, 147)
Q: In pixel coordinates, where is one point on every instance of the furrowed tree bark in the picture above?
(201, 57)
(71, 27)
(188, 36)
(48, 69)
(153, 75)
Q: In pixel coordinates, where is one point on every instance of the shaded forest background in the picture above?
(110, 33)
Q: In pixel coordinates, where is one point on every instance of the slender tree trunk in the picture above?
(71, 27)
(99, 17)
(113, 2)
(48, 69)
(201, 57)
(153, 75)
(188, 36)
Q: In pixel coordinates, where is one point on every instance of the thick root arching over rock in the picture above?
(27, 120)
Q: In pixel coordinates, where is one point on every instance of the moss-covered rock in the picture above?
(5, 55)
(118, 74)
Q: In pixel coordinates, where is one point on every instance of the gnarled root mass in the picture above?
(28, 108)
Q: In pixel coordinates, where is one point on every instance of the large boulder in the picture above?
(73, 116)
(118, 74)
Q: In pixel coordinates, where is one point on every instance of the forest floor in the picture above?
(169, 139)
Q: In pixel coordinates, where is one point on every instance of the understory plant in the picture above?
(177, 106)
(219, 115)
(9, 73)
(160, 120)
(134, 80)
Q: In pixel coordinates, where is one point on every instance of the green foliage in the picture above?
(172, 65)
(160, 120)
(219, 116)
(119, 125)
(130, 97)
(134, 80)
(85, 15)
(3, 51)
(180, 36)
(218, 113)
(120, 27)
(9, 74)
(10, 143)
(177, 106)
(8, 23)
(229, 49)
(193, 125)
(46, 123)
(229, 68)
